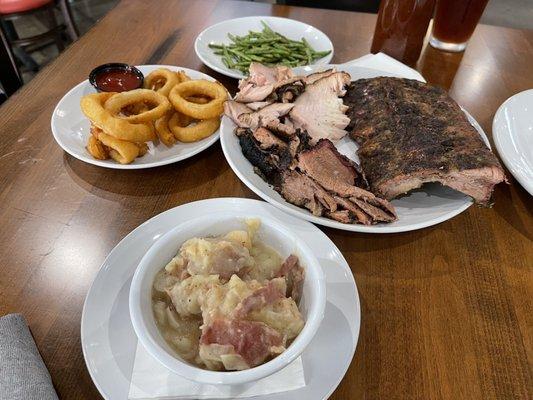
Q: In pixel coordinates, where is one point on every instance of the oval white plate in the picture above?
(107, 335)
(71, 129)
(290, 28)
(512, 131)
(421, 208)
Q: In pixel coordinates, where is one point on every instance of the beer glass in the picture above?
(454, 23)
(401, 27)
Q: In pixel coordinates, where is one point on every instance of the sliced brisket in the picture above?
(334, 171)
(299, 189)
(266, 152)
(338, 175)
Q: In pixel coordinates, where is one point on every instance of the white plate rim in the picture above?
(305, 214)
(498, 133)
(114, 165)
(356, 323)
(238, 75)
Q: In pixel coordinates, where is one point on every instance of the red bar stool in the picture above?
(11, 10)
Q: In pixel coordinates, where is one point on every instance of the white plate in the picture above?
(108, 339)
(290, 28)
(71, 130)
(512, 130)
(421, 208)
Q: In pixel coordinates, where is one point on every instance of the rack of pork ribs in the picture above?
(410, 133)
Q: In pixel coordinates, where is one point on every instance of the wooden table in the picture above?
(446, 311)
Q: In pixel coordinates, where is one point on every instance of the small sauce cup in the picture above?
(116, 77)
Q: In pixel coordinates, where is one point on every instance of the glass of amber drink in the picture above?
(454, 23)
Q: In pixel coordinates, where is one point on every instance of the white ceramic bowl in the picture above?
(290, 28)
(272, 232)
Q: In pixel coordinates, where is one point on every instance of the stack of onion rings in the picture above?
(199, 105)
(162, 81)
(192, 132)
(92, 106)
(163, 131)
(212, 90)
(118, 136)
(119, 101)
(171, 108)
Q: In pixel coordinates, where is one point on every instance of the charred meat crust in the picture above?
(266, 154)
(406, 128)
(287, 93)
(314, 186)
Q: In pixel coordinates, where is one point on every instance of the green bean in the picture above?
(320, 54)
(267, 47)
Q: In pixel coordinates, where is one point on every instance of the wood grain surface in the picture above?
(446, 311)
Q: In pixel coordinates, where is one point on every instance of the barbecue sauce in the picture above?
(118, 81)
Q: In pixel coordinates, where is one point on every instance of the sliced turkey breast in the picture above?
(261, 75)
(320, 111)
(318, 75)
(264, 117)
(233, 109)
(263, 81)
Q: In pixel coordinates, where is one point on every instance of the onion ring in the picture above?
(215, 91)
(179, 120)
(120, 150)
(182, 76)
(193, 133)
(134, 109)
(198, 99)
(163, 132)
(124, 99)
(162, 80)
(92, 106)
(143, 149)
(97, 149)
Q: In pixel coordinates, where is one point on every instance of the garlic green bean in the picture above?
(267, 47)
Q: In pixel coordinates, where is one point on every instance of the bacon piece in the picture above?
(294, 275)
(274, 290)
(253, 341)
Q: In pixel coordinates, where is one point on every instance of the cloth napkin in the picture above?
(151, 380)
(23, 375)
(383, 62)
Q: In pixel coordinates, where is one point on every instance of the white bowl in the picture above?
(272, 232)
(290, 28)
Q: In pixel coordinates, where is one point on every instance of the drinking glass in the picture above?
(454, 23)
(401, 27)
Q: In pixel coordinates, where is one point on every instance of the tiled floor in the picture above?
(510, 13)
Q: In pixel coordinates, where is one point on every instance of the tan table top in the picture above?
(446, 311)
